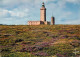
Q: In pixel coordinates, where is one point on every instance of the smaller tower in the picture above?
(52, 20)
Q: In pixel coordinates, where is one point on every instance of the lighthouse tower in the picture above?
(43, 13)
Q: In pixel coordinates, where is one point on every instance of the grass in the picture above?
(39, 41)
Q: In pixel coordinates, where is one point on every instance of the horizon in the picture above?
(19, 12)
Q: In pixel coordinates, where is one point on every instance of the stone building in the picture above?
(42, 17)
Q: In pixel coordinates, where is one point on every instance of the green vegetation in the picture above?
(39, 41)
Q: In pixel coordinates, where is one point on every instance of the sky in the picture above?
(19, 12)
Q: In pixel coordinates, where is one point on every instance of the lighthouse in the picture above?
(43, 12)
(42, 18)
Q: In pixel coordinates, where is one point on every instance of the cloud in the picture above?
(15, 16)
(62, 15)
(76, 21)
(12, 21)
(19, 12)
(14, 13)
(4, 13)
(73, 1)
(14, 3)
